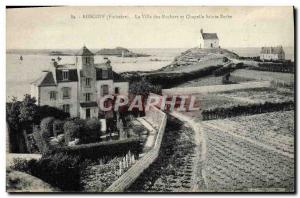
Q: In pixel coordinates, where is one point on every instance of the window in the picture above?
(88, 97)
(104, 73)
(87, 60)
(117, 91)
(52, 95)
(88, 82)
(66, 92)
(65, 75)
(66, 108)
(104, 90)
(88, 113)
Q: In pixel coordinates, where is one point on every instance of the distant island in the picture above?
(59, 53)
(120, 52)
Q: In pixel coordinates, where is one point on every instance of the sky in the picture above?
(161, 27)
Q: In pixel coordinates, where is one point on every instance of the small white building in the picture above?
(208, 40)
(272, 53)
(77, 88)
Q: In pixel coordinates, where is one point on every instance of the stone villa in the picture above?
(76, 88)
(208, 40)
(272, 53)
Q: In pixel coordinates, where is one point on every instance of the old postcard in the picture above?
(150, 99)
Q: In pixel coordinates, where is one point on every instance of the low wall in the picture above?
(158, 119)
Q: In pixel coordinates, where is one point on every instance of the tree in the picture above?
(58, 127)
(28, 110)
(47, 127)
(143, 88)
(20, 118)
(12, 119)
(91, 133)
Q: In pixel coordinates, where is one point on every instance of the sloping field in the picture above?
(264, 75)
(203, 81)
(211, 60)
(250, 153)
(259, 96)
(239, 97)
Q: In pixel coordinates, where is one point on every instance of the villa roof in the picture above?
(84, 52)
(272, 50)
(209, 36)
(66, 66)
(73, 77)
(45, 80)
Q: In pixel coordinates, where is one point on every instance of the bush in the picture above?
(60, 170)
(23, 165)
(40, 141)
(58, 127)
(47, 111)
(91, 133)
(47, 127)
(71, 130)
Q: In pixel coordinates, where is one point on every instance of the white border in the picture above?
(296, 3)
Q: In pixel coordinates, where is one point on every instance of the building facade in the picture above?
(77, 88)
(272, 53)
(208, 40)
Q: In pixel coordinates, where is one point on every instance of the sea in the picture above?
(20, 73)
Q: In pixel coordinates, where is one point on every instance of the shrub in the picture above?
(71, 130)
(60, 170)
(23, 165)
(47, 127)
(58, 127)
(91, 133)
(40, 141)
(47, 111)
(32, 145)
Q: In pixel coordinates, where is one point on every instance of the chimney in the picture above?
(53, 69)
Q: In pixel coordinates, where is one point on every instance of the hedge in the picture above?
(220, 112)
(171, 79)
(286, 67)
(101, 149)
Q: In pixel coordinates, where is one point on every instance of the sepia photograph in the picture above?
(150, 99)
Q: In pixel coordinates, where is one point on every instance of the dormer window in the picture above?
(65, 75)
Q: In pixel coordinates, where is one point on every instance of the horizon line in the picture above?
(144, 47)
